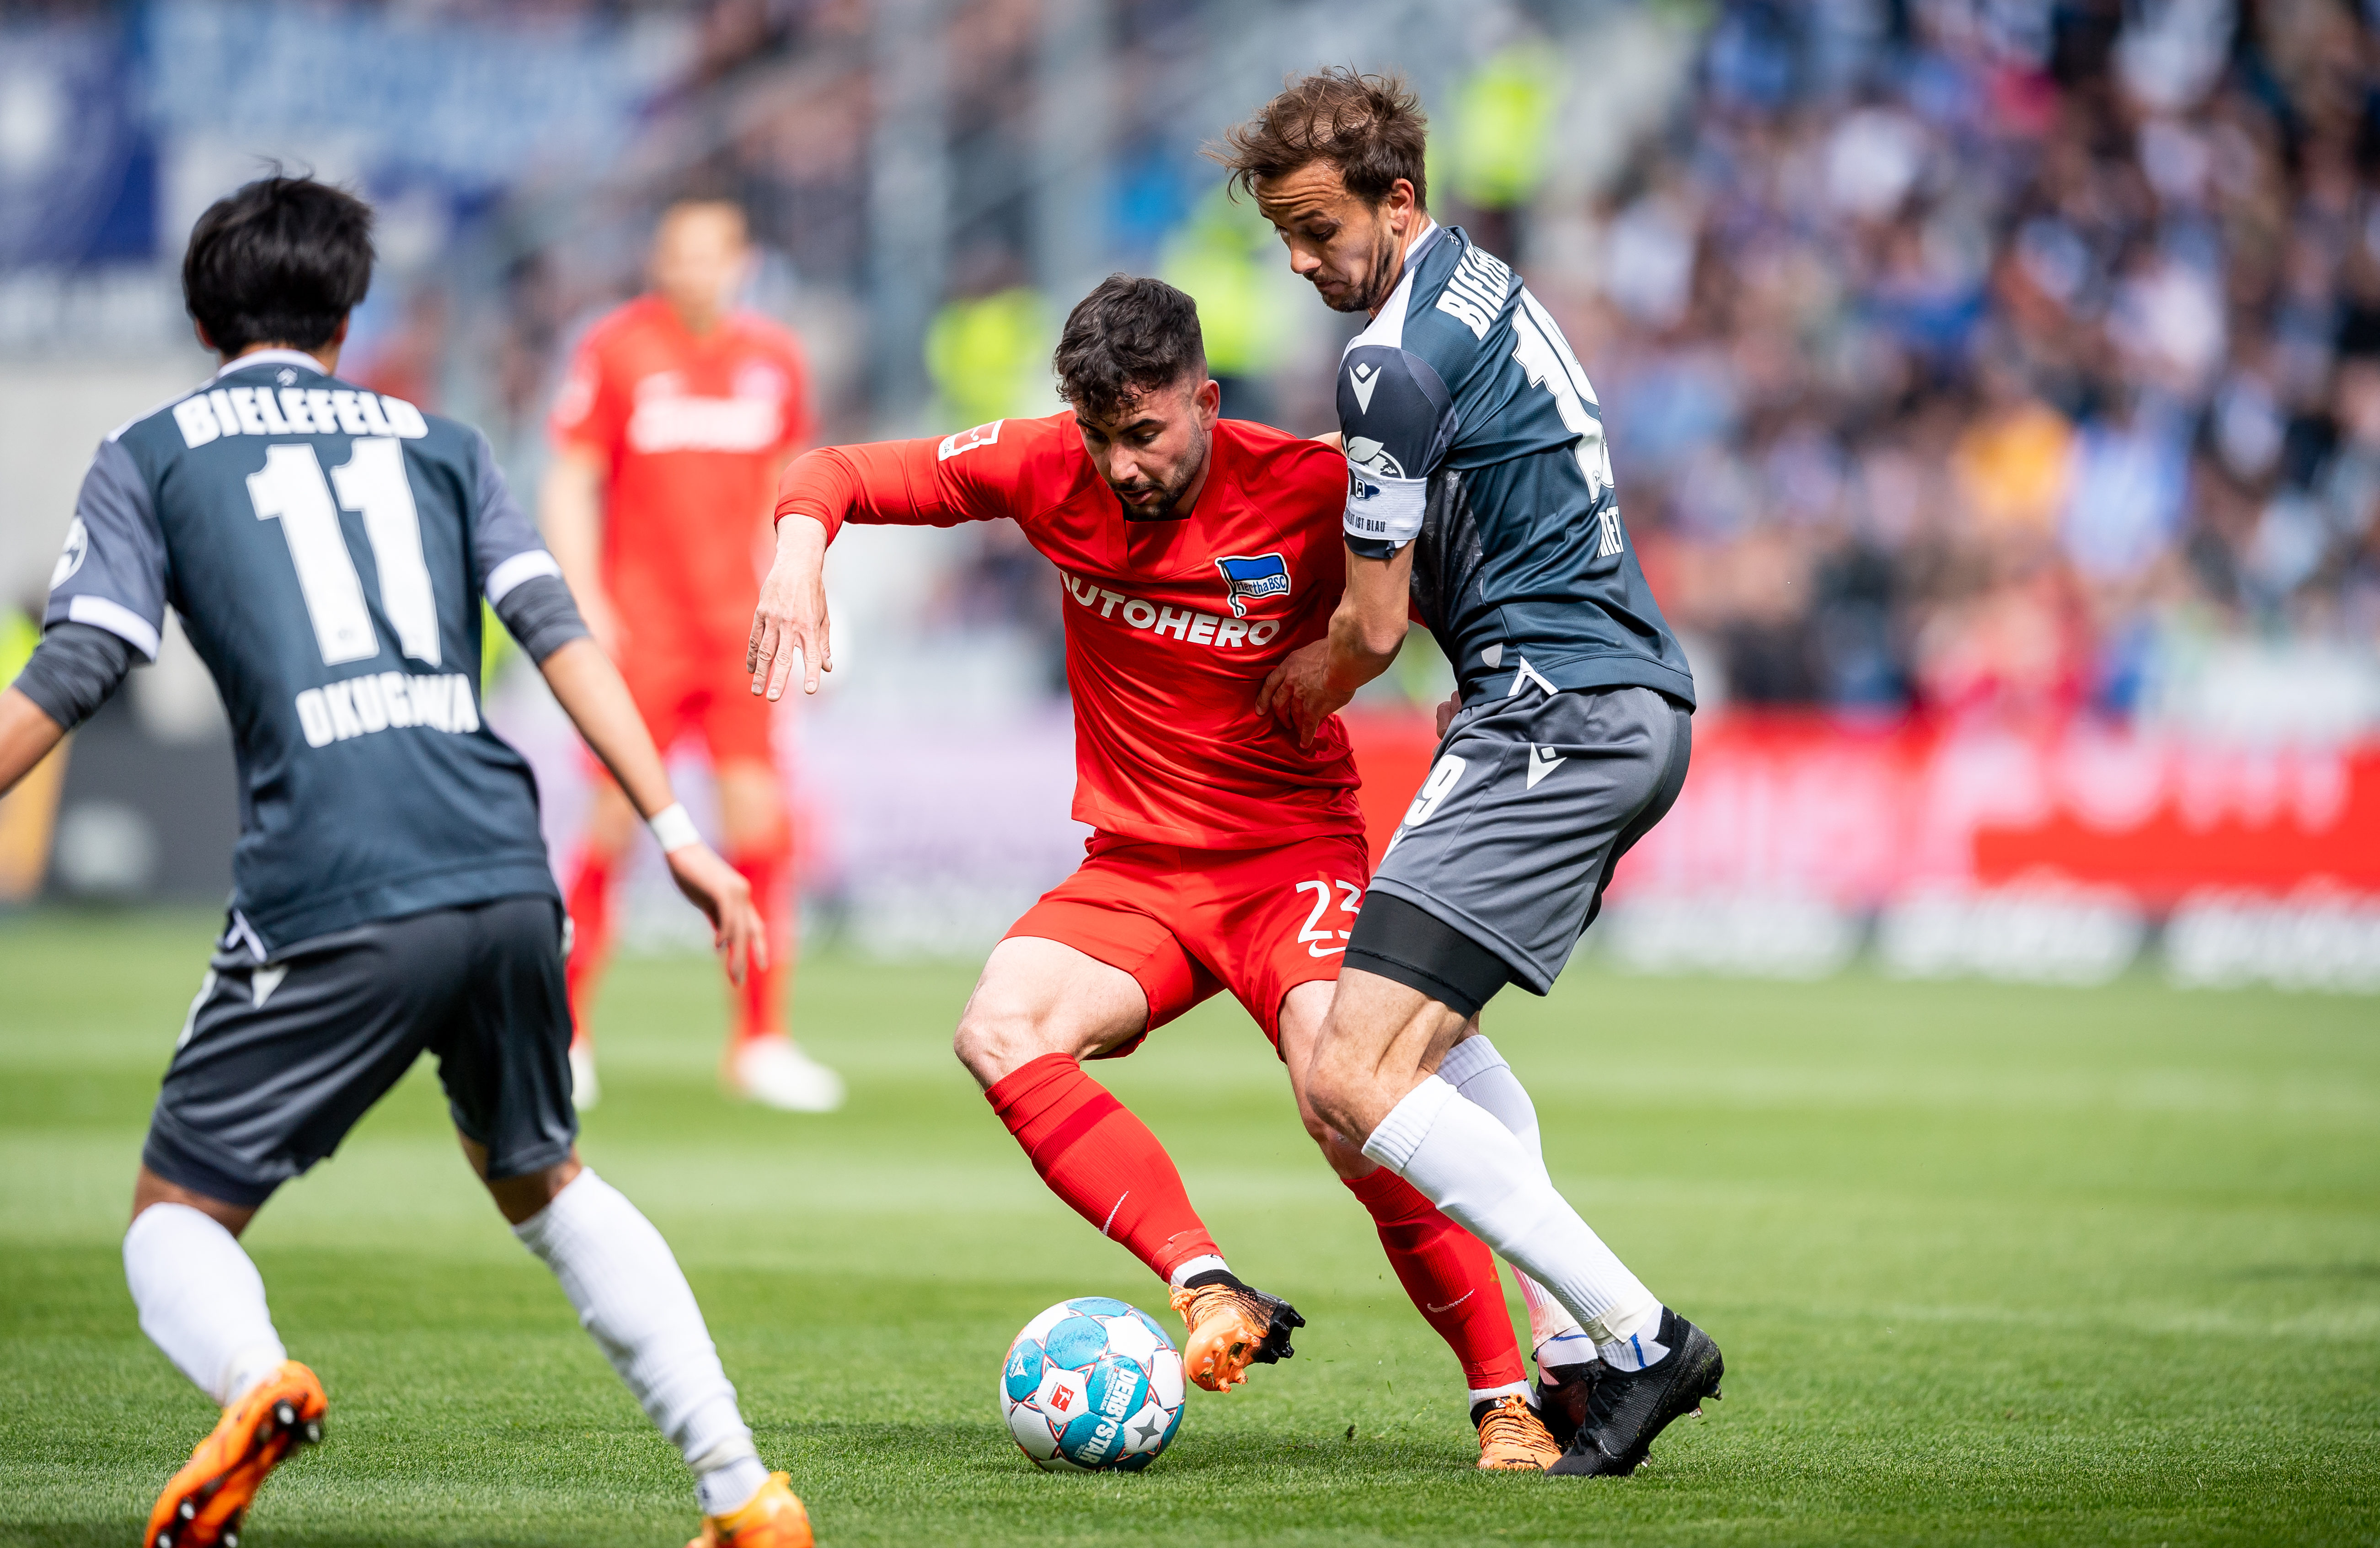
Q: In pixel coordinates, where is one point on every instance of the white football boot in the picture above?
(585, 1089)
(773, 1072)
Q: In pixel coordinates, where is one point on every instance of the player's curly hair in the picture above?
(1370, 127)
(281, 260)
(1127, 336)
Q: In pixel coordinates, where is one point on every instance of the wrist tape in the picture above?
(673, 828)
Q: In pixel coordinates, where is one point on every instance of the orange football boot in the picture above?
(1228, 1328)
(1512, 1438)
(204, 1503)
(771, 1519)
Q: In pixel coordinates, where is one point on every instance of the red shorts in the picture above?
(1188, 922)
(676, 696)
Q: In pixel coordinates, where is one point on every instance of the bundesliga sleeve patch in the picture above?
(1248, 578)
(967, 440)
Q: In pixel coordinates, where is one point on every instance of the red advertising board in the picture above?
(1805, 806)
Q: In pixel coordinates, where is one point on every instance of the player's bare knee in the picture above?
(149, 1190)
(1335, 1095)
(995, 1040)
(769, 840)
(1347, 1160)
(1318, 1132)
(519, 1198)
(752, 816)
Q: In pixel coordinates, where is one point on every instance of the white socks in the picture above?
(1480, 1074)
(201, 1301)
(620, 1276)
(1473, 1167)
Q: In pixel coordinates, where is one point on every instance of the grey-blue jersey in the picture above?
(1472, 432)
(326, 549)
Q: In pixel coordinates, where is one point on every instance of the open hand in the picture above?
(712, 884)
(791, 618)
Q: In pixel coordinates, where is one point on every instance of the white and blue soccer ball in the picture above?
(1092, 1386)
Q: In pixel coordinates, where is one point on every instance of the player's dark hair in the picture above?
(281, 260)
(1126, 337)
(1370, 127)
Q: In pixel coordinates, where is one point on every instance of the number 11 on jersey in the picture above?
(292, 490)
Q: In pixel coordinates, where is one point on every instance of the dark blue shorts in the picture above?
(1512, 838)
(279, 1060)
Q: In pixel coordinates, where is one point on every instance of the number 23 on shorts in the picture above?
(1317, 937)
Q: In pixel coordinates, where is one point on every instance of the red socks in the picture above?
(759, 1013)
(1111, 1171)
(1450, 1275)
(1106, 1164)
(589, 903)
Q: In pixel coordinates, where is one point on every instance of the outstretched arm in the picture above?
(588, 688)
(888, 481)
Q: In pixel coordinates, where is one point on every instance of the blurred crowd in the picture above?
(1999, 357)
(1996, 358)
(1971, 356)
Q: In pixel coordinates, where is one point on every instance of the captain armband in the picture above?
(1383, 511)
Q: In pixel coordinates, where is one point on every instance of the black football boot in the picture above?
(1562, 1395)
(1625, 1410)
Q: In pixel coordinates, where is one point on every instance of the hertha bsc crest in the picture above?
(1247, 577)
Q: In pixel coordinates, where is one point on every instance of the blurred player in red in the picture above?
(670, 431)
(1195, 552)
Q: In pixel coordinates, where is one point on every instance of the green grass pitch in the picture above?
(1989, 1265)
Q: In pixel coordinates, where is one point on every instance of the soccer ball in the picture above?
(1092, 1386)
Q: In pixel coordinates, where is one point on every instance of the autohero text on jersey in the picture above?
(1186, 624)
(296, 411)
(377, 701)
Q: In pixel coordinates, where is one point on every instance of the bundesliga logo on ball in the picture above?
(1092, 1386)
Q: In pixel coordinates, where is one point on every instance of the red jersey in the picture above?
(691, 431)
(1171, 626)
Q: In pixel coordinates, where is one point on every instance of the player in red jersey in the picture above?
(1195, 553)
(670, 431)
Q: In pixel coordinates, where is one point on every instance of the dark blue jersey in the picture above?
(326, 550)
(1472, 430)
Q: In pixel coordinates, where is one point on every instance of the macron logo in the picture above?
(1365, 380)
